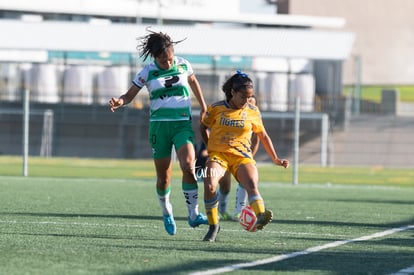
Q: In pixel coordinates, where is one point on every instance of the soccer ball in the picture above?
(248, 219)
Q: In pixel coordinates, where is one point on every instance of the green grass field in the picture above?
(373, 92)
(84, 216)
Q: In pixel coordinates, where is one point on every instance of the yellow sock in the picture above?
(258, 206)
(212, 215)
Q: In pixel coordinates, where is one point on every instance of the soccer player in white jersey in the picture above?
(169, 79)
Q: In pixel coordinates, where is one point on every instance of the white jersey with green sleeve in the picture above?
(169, 91)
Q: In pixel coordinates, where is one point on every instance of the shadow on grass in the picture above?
(358, 262)
(83, 215)
(145, 217)
(377, 256)
(194, 266)
(373, 201)
(77, 235)
(342, 262)
(347, 224)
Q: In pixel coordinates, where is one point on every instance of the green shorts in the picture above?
(164, 134)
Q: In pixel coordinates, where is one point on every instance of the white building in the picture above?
(288, 55)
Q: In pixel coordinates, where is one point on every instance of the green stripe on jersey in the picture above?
(168, 92)
(170, 114)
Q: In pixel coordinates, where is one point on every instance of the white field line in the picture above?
(405, 271)
(310, 250)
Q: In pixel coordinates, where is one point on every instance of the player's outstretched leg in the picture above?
(264, 218)
(195, 218)
(241, 201)
(213, 219)
(200, 219)
(211, 235)
(169, 224)
(167, 211)
(223, 199)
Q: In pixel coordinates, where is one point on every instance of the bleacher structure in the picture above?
(75, 55)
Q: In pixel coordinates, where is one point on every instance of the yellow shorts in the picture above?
(229, 162)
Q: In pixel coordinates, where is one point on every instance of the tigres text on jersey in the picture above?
(231, 129)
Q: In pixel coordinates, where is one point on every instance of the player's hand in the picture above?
(202, 115)
(115, 103)
(283, 162)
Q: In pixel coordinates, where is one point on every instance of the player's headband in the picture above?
(242, 80)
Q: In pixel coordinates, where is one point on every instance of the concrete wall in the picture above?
(384, 36)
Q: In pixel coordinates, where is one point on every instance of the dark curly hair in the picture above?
(154, 44)
(236, 82)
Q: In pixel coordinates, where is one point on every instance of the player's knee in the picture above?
(188, 167)
(163, 181)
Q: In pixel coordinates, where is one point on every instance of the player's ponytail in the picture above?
(155, 43)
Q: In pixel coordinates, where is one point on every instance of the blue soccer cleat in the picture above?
(169, 224)
(201, 219)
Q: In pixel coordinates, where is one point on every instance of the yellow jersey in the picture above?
(231, 129)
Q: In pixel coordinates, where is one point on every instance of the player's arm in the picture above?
(206, 124)
(124, 99)
(204, 132)
(196, 88)
(254, 144)
(270, 150)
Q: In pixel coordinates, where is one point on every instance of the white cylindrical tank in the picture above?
(302, 86)
(77, 85)
(10, 79)
(275, 93)
(43, 83)
(112, 82)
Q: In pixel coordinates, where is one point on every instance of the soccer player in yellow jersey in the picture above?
(227, 130)
(225, 185)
